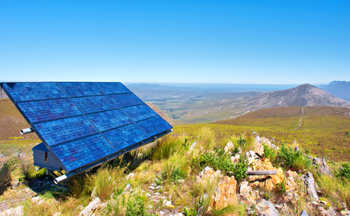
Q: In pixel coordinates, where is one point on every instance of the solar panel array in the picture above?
(85, 122)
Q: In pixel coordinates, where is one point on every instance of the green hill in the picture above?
(322, 129)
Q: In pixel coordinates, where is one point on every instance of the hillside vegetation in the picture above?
(198, 169)
(321, 130)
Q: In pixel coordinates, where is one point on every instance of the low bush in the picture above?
(269, 153)
(136, 205)
(281, 188)
(294, 160)
(221, 161)
(344, 171)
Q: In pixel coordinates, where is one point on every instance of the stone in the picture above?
(93, 206)
(166, 203)
(324, 168)
(264, 207)
(324, 212)
(285, 210)
(208, 174)
(251, 156)
(37, 200)
(229, 146)
(304, 213)
(225, 193)
(267, 182)
(235, 159)
(127, 187)
(343, 212)
(274, 147)
(18, 211)
(192, 146)
(57, 214)
(130, 176)
(247, 193)
(310, 184)
(259, 149)
(296, 149)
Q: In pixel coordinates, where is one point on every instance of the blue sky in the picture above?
(247, 42)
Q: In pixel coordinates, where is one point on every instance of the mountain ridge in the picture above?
(339, 89)
(303, 95)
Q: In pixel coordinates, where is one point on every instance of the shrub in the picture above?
(344, 171)
(269, 152)
(294, 159)
(281, 187)
(346, 133)
(136, 206)
(221, 161)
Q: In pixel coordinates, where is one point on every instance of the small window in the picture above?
(46, 159)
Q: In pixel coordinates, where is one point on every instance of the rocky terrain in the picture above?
(292, 190)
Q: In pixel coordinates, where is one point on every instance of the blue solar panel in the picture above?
(154, 126)
(81, 152)
(109, 119)
(126, 100)
(125, 136)
(63, 130)
(139, 112)
(94, 104)
(76, 89)
(83, 123)
(38, 111)
(112, 87)
(33, 91)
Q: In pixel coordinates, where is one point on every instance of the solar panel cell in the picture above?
(109, 119)
(126, 100)
(83, 123)
(76, 89)
(154, 126)
(112, 87)
(33, 91)
(63, 130)
(139, 112)
(38, 111)
(94, 104)
(81, 152)
(125, 136)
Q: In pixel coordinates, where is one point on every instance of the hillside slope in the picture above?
(340, 89)
(323, 130)
(303, 95)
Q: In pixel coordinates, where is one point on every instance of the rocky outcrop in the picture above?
(95, 205)
(264, 207)
(247, 194)
(18, 211)
(310, 185)
(208, 174)
(267, 182)
(323, 167)
(225, 193)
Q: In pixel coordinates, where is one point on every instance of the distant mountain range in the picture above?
(340, 89)
(303, 95)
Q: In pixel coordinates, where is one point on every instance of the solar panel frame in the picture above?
(98, 161)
